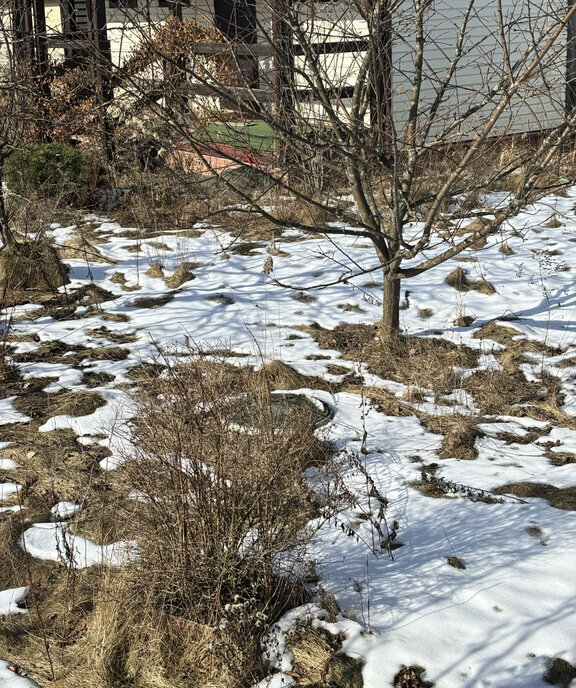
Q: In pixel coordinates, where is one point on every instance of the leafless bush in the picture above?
(223, 511)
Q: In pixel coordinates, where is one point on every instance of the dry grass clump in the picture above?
(514, 340)
(155, 270)
(559, 673)
(313, 213)
(159, 203)
(29, 266)
(103, 332)
(182, 274)
(42, 405)
(56, 467)
(63, 306)
(461, 282)
(248, 225)
(279, 375)
(558, 497)
(503, 392)
(131, 640)
(508, 392)
(48, 641)
(151, 302)
(317, 660)
(383, 401)
(11, 556)
(419, 362)
(78, 246)
(503, 334)
(460, 433)
(411, 677)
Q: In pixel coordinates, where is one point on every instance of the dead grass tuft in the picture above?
(155, 270)
(411, 677)
(464, 321)
(460, 434)
(504, 392)
(151, 302)
(77, 246)
(461, 282)
(559, 673)
(182, 274)
(318, 661)
(383, 401)
(42, 405)
(158, 203)
(279, 375)
(419, 362)
(503, 334)
(29, 266)
(117, 337)
(554, 223)
(505, 249)
(558, 497)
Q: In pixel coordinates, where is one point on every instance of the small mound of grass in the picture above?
(460, 434)
(155, 271)
(114, 317)
(461, 282)
(559, 673)
(383, 401)
(558, 497)
(318, 660)
(145, 371)
(182, 274)
(504, 392)
(77, 246)
(246, 248)
(503, 334)
(279, 375)
(464, 321)
(411, 677)
(42, 405)
(102, 353)
(151, 302)
(116, 337)
(93, 379)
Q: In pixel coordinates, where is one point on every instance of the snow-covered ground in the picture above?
(495, 623)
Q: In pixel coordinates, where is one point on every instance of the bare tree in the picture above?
(406, 107)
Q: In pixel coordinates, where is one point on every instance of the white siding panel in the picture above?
(488, 38)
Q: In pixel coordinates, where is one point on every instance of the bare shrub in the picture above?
(223, 514)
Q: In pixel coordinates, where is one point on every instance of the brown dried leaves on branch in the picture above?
(175, 40)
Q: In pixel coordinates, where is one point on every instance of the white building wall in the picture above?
(539, 104)
(519, 32)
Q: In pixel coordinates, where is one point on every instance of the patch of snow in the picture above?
(54, 542)
(10, 679)
(11, 598)
(64, 510)
(8, 490)
(8, 414)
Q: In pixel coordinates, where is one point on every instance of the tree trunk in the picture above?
(390, 325)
